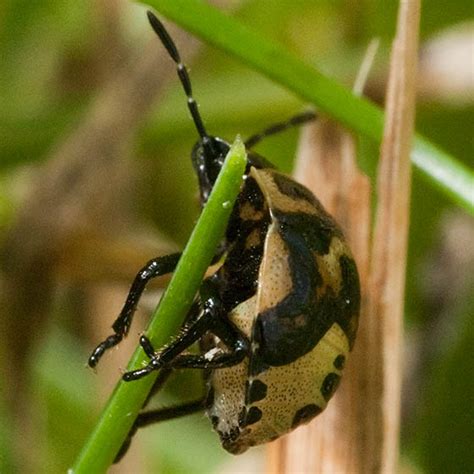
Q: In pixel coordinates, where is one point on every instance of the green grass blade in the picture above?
(128, 398)
(451, 177)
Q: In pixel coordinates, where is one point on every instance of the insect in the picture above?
(276, 321)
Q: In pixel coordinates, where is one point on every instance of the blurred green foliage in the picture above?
(52, 69)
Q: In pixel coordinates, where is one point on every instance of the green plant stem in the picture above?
(128, 397)
(450, 176)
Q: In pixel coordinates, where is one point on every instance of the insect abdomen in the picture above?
(301, 322)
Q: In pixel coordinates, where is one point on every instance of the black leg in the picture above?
(154, 416)
(218, 361)
(154, 268)
(171, 356)
(231, 336)
(190, 334)
(166, 372)
(280, 127)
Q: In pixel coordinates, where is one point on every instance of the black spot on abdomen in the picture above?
(253, 415)
(339, 362)
(249, 417)
(256, 391)
(305, 414)
(329, 385)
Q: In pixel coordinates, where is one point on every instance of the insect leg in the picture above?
(280, 127)
(231, 336)
(154, 416)
(171, 356)
(190, 333)
(149, 417)
(154, 268)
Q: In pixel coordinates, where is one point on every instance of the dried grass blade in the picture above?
(327, 165)
(388, 264)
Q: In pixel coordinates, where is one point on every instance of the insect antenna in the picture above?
(299, 119)
(183, 75)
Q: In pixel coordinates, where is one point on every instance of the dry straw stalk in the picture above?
(359, 431)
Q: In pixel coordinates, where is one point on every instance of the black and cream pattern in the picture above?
(301, 318)
(277, 318)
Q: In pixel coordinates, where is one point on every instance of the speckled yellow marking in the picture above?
(292, 386)
(254, 239)
(274, 271)
(329, 267)
(275, 198)
(248, 213)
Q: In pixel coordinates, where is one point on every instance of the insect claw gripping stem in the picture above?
(154, 363)
(137, 374)
(147, 346)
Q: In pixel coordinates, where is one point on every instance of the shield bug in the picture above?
(276, 321)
